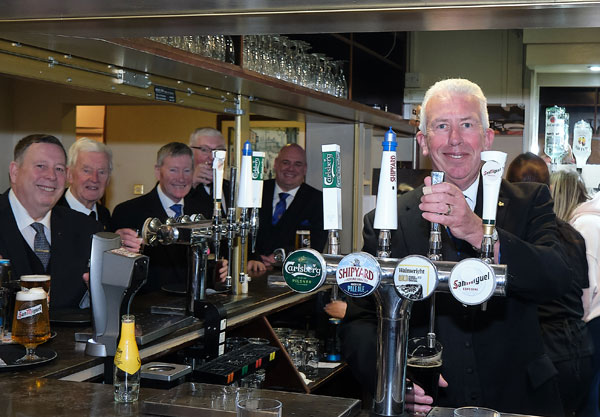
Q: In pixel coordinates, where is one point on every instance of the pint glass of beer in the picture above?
(31, 323)
(36, 281)
(302, 239)
(424, 365)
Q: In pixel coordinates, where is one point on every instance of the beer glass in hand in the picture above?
(424, 364)
(31, 323)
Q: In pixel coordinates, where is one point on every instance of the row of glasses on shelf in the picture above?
(219, 47)
(289, 60)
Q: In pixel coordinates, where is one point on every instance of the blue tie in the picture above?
(177, 209)
(279, 208)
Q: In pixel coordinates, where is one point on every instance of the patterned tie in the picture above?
(279, 208)
(41, 247)
(177, 209)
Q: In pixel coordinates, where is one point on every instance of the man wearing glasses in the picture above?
(203, 142)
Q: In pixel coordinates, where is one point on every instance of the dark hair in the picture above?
(173, 149)
(27, 141)
(528, 167)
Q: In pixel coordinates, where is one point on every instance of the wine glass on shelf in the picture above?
(31, 323)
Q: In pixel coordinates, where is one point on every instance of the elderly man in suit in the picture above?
(37, 236)
(288, 205)
(89, 166)
(174, 171)
(494, 357)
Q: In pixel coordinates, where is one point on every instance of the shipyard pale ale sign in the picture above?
(358, 274)
(304, 270)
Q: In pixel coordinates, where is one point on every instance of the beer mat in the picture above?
(72, 316)
(10, 353)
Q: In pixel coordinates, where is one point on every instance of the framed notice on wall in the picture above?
(268, 137)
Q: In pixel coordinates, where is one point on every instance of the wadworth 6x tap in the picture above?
(397, 283)
(201, 234)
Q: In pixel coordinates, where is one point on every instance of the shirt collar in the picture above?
(166, 201)
(77, 205)
(291, 192)
(471, 193)
(22, 217)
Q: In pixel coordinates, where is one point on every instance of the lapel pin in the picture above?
(500, 204)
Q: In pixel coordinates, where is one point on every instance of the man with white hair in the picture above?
(492, 357)
(203, 142)
(89, 166)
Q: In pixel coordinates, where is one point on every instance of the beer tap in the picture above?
(491, 173)
(435, 254)
(231, 224)
(386, 213)
(258, 160)
(245, 202)
(218, 165)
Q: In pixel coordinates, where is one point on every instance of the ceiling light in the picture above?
(594, 67)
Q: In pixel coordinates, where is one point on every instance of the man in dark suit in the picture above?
(493, 358)
(288, 205)
(174, 170)
(89, 166)
(39, 237)
(203, 142)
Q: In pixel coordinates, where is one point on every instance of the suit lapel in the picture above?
(13, 241)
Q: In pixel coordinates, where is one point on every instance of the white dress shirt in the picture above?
(167, 202)
(24, 220)
(289, 198)
(78, 206)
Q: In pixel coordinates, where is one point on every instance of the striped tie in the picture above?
(41, 247)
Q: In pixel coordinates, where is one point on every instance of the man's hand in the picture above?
(130, 240)
(268, 260)
(86, 279)
(203, 174)
(445, 204)
(336, 309)
(416, 399)
(256, 266)
(222, 269)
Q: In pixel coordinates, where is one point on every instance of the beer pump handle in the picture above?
(230, 222)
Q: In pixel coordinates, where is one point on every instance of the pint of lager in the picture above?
(31, 323)
(302, 239)
(31, 281)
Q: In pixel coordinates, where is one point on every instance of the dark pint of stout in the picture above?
(31, 323)
(31, 281)
(425, 375)
(302, 239)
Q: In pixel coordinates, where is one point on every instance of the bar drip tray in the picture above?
(149, 326)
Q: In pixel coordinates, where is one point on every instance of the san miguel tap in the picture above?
(491, 174)
(218, 166)
(245, 202)
(332, 195)
(258, 163)
(231, 224)
(386, 211)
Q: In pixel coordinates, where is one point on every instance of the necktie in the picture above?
(177, 209)
(279, 208)
(41, 247)
(93, 215)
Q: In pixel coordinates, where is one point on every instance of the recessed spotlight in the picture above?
(594, 67)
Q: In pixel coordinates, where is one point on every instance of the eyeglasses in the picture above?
(206, 149)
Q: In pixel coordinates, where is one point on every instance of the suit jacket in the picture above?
(205, 201)
(103, 213)
(493, 358)
(168, 264)
(69, 252)
(305, 212)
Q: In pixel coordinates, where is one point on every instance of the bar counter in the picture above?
(72, 364)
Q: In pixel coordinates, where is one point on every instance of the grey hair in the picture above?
(89, 145)
(455, 86)
(173, 149)
(205, 131)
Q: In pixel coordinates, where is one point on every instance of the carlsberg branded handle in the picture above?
(491, 174)
(332, 187)
(258, 163)
(218, 166)
(244, 197)
(386, 214)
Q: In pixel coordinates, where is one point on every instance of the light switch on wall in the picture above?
(138, 189)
